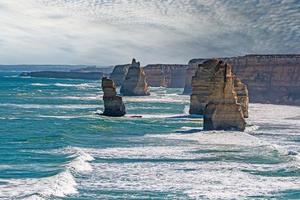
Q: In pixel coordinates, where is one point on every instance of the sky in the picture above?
(108, 32)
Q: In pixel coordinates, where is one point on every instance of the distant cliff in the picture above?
(168, 75)
(270, 78)
(119, 74)
(69, 75)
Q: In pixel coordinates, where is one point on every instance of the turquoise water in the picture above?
(53, 145)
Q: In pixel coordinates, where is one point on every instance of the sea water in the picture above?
(53, 145)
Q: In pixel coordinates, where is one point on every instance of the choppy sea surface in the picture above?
(53, 145)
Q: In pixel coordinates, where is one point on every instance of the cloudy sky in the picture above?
(105, 32)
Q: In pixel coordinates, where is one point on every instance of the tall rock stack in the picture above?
(203, 84)
(113, 104)
(223, 112)
(135, 82)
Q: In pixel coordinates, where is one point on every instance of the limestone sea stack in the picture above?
(135, 82)
(113, 104)
(223, 112)
(204, 83)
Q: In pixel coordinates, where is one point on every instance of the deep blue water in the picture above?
(53, 145)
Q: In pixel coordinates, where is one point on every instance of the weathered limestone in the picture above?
(113, 104)
(270, 78)
(242, 95)
(222, 110)
(119, 74)
(166, 75)
(135, 82)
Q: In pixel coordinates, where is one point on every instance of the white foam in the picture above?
(81, 86)
(183, 173)
(39, 84)
(80, 164)
(49, 106)
(60, 185)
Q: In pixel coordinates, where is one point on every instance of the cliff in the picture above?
(113, 104)
(270, 78)
(135, 82)
(119, 74)
(166, 75)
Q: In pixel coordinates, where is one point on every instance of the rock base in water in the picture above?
(223, 116)
(113, 104)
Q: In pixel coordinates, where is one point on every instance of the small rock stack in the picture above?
(220, 96)
(135, 82)
(113, 104)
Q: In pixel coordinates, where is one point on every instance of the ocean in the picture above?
(53, 145)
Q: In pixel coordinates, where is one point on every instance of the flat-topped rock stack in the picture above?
(135, 82)
(113, 104)
(215, 95)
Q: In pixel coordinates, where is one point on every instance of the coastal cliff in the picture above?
(119, 74)
(158, 75)
(270, 78)
(166, 75)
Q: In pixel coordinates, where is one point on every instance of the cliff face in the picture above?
(190, 72)
(270, 78)
(119, 74)
(135, 82)
(113, 104)
(166, 75)
(214, 94)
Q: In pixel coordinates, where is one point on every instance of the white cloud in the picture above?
(170, 31)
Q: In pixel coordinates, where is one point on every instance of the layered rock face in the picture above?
(135, 82)
(119, 74)
(207, 78)
(215, 95)
(166, 75)
(270, 78)
(113, 104)
(190, 72)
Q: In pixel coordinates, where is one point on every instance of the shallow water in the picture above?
(54, 146)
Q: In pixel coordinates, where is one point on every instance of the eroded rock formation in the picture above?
(113, 104)
(166, 75)
(135, 82)
(203, 84)
(214, 94)
(269, 78)
(119, 74)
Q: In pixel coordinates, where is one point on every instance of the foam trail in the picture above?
(60, 185)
